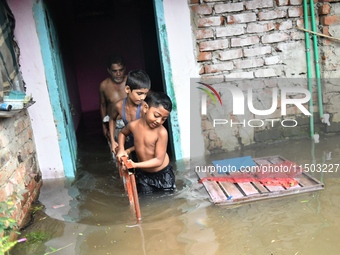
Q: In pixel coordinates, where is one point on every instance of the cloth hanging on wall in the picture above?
(8, 57)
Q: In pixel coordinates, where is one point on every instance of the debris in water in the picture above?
(58, 206)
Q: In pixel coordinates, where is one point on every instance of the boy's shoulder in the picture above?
(119, 103)
(161, 130)
(133, 124)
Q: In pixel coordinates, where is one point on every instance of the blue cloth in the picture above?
(124, 114)
(129, 141)
(233, 164)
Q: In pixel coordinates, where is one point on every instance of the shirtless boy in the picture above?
(112, 89)
(153, 169)
(137, 86)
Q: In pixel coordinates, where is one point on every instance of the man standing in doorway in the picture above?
(112, 89)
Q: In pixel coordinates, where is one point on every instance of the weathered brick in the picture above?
(297, 35)
(275, 37)
(241, 18)
(219, 67)
(300, 23)
(249, 63)
(230, 30)
(262, 73)
(295, 2)
(239, 75)
(201, 70)
(282, 2)
(269, 15)
(204, 56)
(202, 9)
(206, 125)
(257, 51)
(295, 12)
(230, 54)
(273, 60)
(204, 33)
(213, 45)
(213, 79)
(210, 21)
(4, 139)
(260, 27)
(240, 42)
(330, 20)
(324, 9)
(325, 31)
(7, 189)
(212, 136)
(229, 7)
(285, 25)
(258, 4)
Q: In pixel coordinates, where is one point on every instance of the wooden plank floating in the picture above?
(222, 191)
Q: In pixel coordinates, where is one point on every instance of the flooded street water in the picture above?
(90, 215)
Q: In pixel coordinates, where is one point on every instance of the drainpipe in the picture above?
(309, 73)
(324, 119)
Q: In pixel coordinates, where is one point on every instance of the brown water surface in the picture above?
(94, 217)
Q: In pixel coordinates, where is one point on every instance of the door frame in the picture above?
(57, 89)
(175, 138)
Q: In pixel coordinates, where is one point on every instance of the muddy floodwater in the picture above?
(90, 215)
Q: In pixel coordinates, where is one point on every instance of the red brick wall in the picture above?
(261, 39)
(19, 172)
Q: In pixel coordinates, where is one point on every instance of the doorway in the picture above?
(89, 31)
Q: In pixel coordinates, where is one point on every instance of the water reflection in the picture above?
(96, 217)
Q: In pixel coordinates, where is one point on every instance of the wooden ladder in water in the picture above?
(129, 181)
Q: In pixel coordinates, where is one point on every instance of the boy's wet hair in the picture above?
(115, 59)
(156, 99)
(138, 79)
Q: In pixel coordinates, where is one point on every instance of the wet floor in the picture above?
(91, 214)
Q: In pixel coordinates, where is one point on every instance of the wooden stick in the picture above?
(319, 34)
(129, 188)
(135, 197)
(120, 169)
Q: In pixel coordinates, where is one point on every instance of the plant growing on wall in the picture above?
(7, 223)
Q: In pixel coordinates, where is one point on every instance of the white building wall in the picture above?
(183, 65)
(32, 68)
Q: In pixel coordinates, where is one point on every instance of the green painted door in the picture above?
(57, 87)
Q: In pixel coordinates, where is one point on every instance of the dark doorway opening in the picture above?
(89, 31)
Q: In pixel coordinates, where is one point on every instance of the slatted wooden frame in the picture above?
(227, 193)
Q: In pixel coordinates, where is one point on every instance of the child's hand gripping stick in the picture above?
(127, 163)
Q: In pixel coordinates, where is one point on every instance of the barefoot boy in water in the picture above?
(153, 169)
(137, 86)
